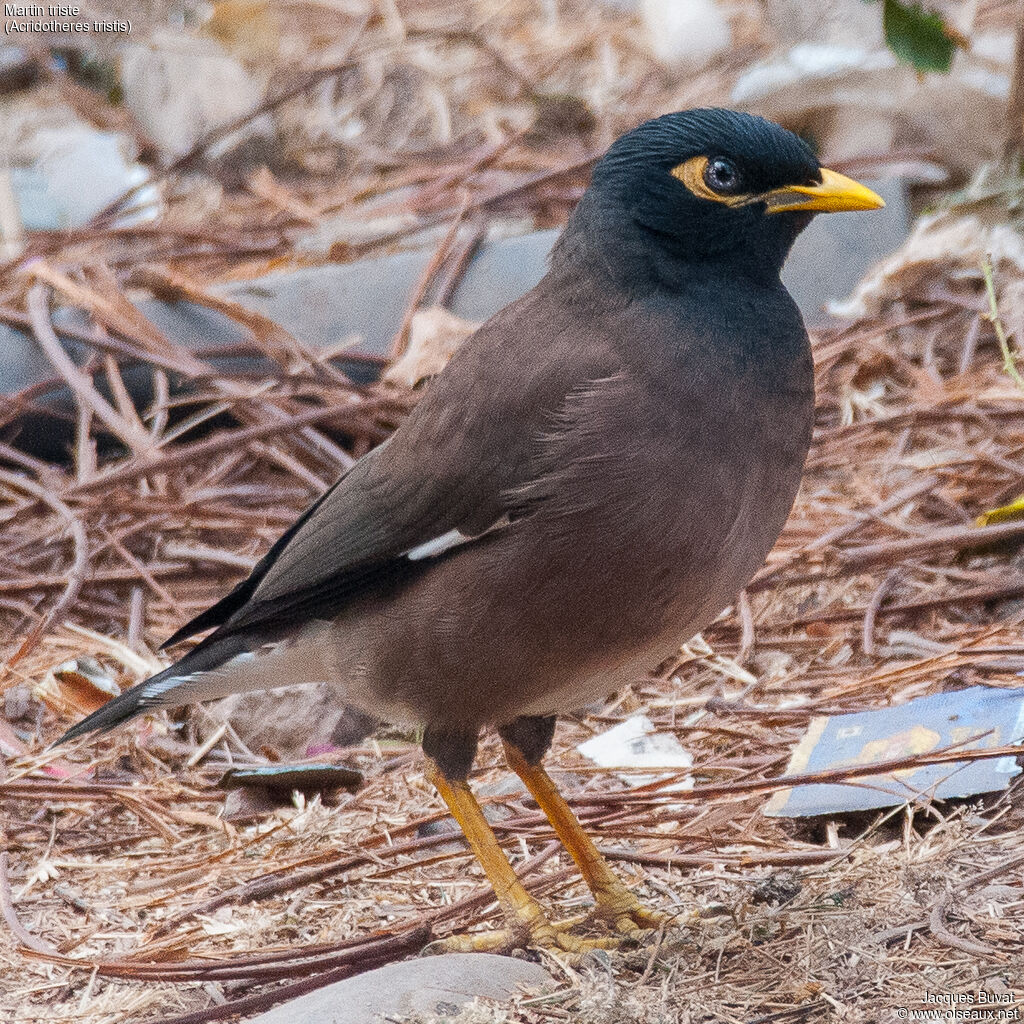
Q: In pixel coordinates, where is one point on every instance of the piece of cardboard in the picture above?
(928, 723)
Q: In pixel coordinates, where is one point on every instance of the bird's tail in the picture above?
(192, 678)
(218, 667)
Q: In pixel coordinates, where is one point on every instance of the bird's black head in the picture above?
(713, 186)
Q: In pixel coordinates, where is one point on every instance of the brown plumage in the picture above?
(594, 476)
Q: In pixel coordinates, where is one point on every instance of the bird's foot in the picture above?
(555, 936)
(624, 913)
(619, 912)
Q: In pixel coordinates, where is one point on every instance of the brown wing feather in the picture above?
(469, 444)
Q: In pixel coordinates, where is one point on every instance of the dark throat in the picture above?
(605, 240)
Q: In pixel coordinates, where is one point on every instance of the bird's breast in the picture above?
(653, 499)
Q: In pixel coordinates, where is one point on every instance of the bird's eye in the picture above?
(714, 178)
(722, 176)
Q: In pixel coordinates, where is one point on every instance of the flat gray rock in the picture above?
(432, 984)
(835, 251)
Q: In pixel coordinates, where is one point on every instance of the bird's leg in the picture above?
(523, 912)
(527, 923)
(615, 902)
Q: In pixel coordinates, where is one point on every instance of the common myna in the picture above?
(599, 470)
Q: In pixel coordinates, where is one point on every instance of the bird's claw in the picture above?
(554, 936)
(617, 910)
(626, 915)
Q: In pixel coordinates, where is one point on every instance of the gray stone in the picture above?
(506, 784)
(18, 702)
(367, 299)
(834, 253)
(287, 720)
(841, 22)
(77, 172)
(435, 984)
(250, 804)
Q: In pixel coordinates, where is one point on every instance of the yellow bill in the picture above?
(833, 194)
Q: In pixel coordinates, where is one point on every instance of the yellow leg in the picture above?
(527, 923)
(615, 902)
(520, 907)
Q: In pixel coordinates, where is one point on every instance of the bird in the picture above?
(597, 472)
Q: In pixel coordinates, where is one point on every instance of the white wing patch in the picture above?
(451, 539)
(437, 546)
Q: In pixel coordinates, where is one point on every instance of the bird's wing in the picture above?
(461, 464)
(445, 476)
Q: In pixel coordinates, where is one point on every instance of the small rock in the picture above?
(247, 804)
(287, 720)
(442, 827)
(850, 22)
(77, 172)
(439, 827)
(181, 86)
(505, 785)
(685, 32)
(17, 702)
(432, 985)
(778, 888)
(352, 727)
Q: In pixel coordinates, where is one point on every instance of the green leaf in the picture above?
(917, 36)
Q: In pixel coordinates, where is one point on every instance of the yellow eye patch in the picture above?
(834, 192)
(691, 174)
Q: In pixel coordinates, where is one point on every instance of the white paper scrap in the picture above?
(635, 744)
